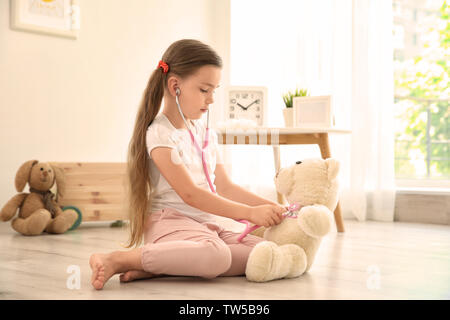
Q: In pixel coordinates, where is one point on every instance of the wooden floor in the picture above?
(372, 260)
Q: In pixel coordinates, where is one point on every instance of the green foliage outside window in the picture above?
(422, 148)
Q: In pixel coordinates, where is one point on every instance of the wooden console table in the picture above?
(285, 136)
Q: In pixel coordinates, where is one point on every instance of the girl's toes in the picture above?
(123, 277)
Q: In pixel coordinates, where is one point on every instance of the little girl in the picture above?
(171, 203)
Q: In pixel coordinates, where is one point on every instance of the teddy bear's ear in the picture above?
(284, 180)
(333, 168)
(60, 180)
(23, 174)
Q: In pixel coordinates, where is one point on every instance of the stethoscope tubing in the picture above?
(205, 144)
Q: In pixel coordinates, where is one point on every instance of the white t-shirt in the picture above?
(161, 133)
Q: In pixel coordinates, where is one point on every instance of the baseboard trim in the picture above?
(422, 206)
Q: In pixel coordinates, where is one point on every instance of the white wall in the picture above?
(76, 100)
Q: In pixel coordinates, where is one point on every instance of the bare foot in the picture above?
(135, 275)
(102, 269)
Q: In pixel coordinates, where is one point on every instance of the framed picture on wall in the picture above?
(51, 17)
(312, 111)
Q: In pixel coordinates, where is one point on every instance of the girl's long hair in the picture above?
(184, 58)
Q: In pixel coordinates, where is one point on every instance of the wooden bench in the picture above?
(96, 188)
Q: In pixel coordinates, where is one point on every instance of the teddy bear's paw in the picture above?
(260, 261)
(62, 222)
(71, 216)
(33, 225)
(315, 220)
(298, 259)
(266, 262)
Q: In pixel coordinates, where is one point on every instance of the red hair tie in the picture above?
(163, 65)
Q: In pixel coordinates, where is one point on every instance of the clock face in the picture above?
(246, 104)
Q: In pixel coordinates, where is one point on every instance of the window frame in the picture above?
(427, 182)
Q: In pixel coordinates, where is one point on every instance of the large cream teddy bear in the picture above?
(292, 245)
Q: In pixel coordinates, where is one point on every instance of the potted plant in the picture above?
(288, 112)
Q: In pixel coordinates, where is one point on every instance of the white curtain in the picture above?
(337, 47)
(371, 194)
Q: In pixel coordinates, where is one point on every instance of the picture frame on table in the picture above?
(59, 18)
(313, 112)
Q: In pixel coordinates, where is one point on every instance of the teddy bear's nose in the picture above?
(45, 173)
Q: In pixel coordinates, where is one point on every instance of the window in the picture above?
(422, 77)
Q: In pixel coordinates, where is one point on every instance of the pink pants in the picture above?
(175, 244)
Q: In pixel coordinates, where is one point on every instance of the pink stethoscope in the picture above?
(293, 207)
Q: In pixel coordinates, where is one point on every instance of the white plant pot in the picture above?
(288, 114)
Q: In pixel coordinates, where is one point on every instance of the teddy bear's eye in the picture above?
(42, 169)
(298, 162)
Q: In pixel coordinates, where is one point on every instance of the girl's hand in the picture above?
(266, 215)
